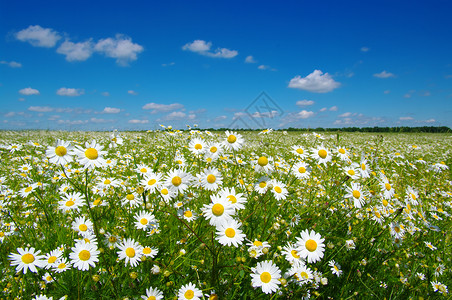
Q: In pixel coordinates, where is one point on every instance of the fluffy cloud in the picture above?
(384, 74)
(316, 82)
(96, 120)
(157, 107)
(11, 64)
(29, 91)
(250, 60)
(132, 92)
(305, 102)
(323, 109)
(69, 92)
(203, 48)
(135, 121)
(345, 115)
(76, 51)
(40, 108)
(105, 94)
(72, 122)
(120, 47)
(333, 108)
(111, 110)
(38, 36)
(364, 49)
(304, 114)
(175, 115)
(406, 118)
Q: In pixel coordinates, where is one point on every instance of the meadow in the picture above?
(193, 214)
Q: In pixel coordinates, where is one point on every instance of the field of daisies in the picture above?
(195, 214)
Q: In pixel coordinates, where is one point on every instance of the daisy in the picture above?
(356, 194)
(279, 189)
(52, 257)
(335, 268)
(310, 246)
(71, 202)
(132, 200)
(261, 185)
(14, 147)
(430, 246)
(411, 196)
(115, 139)
(321, 154)
(352, 172)
(61, 154)
(237, 200)
(228, 233)
(364, 169)
(350, 244)
(143, 220)
(84, 255)
(189, 292)
(178, 180)
(387, 189)
(61, 265)
(210, 179)
(25, 168)
(188, 215)
(266, 275)
(112, 240)
(83, 226)
(143, 169)
(92, 156)
(439, 287)
(106, 183)
(299, 151)
(218, 211)
(233, 141)
(197, 146)
(214, 150)
(397, 230)
(27, 190)
(301, 170)
(180, 160)
(291, 254)
(149, 251)
(130, 251)
(167, 194)
(47, 278)
(301, 273)
(263, 165)
(27, 259)
(152, 294)
(342, 153)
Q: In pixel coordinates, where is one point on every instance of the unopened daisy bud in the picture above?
(243, 259)
(148, 205)
(330, 245)
(265, 250)
(276, 226)
(283, 281)
(249, 188)
(96, 278)
(133, 275)
(155, 270)
(166, 273)
(161, 203)
(279, 248)
(101, 231)
(140, 190)
(238, 259)
(324, 281)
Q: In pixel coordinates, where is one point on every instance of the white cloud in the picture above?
(384, 74)
(76, 51)
(364, 49)
(304, 114)
(29, 91)
(72, 122)
(10, 114)
(191, 116)
(120, 47)
(111, 110)
(106, 94)
(323, 109)
(304, 102)
(316, 82)
(170, 64)
(21, 99)
(333, 108)
(344, 115)
(430, 121)
(132, 92)
(134, 121)
(40, 108)
(175, 115)
(157, 107)
(69, 92)
(263, 67)
(203, 48)
(250, 60)
(407, 95)
(270, 114)
(96, 120)
(11, 64)
(387, 92)
(406, 118)
(38, 36)
(219, 118)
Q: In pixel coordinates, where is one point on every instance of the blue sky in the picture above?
(98, 65)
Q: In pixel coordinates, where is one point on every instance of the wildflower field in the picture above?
(225, 215)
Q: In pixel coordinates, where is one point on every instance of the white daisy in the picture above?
(152, 181)
(310, 246)
(83, 226)
(321, 154)
(229, 233)
(210, 179)
(27, 259)
(92, 156)
(218, 211)
(84, 255)
(130, 251)
(301, 170)
(189, 292)
(60, 154)
(237, 200)
(152, 294)
(233, 140)
(266, 275)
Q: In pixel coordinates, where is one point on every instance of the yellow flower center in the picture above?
(147, 250)
(62, 266)
(189, 294)
(28, 189)
(377, 214)
(232, 198)
(107, 181)
(112, 239)
(217, 209)
(387, 186)
(295, 253)
(91, 153)
(144, 221)
(83, 227)
(311, 245)
(143, 170)
(257, 243)
(52, 259)
(356, 194)
(130, 197)
(351, 172)
(232, 139)
(277, 189)
(84, 255)
(363, 167)
(322, 153)
(300, 151)
(198, 146)
(385, 202)
(130, 252)
(262, 184)
(302, 170)
(151, 298)
(165, 192)
(341, 151)
(153, 181)
(114, 140)
(176, 181)
(60, 151)
(188, 214)
(262, 161)
(397, 229)
(266, 277)
(70, 203)
(211, 178)
(213, 149)
(230, 232)
(304, 275)
(413, 196)
(28, 258)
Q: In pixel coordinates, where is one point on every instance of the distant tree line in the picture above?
(427, 129)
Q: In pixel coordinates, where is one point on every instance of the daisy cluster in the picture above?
(224, 215)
